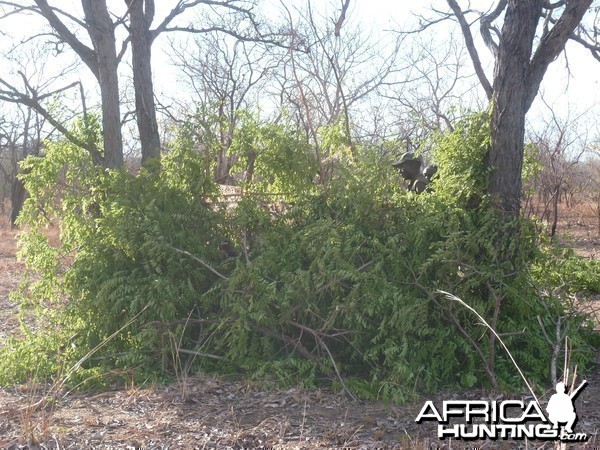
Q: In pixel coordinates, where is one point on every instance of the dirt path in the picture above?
(206, 412)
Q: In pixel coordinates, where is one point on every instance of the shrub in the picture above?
(340, 283)
(120, 252)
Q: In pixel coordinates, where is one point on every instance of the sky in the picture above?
(571, 86)
(572, 82)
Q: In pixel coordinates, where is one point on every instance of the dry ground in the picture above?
(206, 412)
(578, 229)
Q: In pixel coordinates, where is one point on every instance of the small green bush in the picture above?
(569, 272)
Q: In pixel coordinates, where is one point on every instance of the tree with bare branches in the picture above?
(31, 115)
(524, 37)
(328, 74)
(560, 147)
(436, 88)
(103, 27)
(20, 138)
(594, 191)
(226, 76)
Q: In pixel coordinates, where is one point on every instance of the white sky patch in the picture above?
(572, 87)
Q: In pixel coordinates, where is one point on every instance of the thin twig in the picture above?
(322, 344)
(203, 355)
(195, 258)
(455, 298)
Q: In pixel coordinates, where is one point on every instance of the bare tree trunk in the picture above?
(223, 167)
(598, 212)
(224, 160)
(555, 212)
(250, 167)
(141, 13)
(511, 92)
(101, 30)
(518, 74)
(18, 194)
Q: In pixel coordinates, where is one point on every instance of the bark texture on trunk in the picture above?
(141, 13)
(101, 30)
(18, 194)
(511, 89)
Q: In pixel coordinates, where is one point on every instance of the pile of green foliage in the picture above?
(331, 282)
